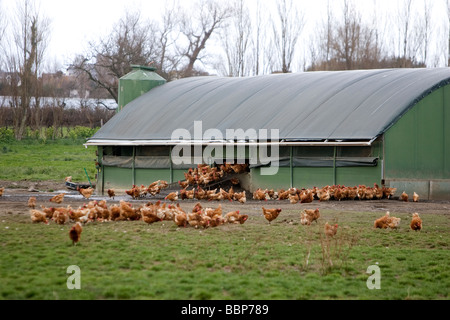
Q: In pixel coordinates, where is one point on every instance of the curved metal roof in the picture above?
(308, 106)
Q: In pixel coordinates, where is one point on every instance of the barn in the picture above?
(389, 126)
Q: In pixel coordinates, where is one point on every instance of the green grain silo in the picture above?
(134, 84)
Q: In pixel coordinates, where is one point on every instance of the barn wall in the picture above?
(321, 166)
(446, 137)
(279, 181)
(146, 176)
(417, 148)
(358, 176)
(116, 178)
(302, 167)
(305, 177)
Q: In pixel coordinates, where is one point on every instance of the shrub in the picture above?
(48, 133)
(80, 132)
(6, 135)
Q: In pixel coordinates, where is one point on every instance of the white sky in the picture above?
(74, 26)
(75, 22)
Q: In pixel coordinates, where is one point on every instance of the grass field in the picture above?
(51, 160)
(285, 260)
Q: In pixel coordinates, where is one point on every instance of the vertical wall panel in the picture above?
(115, 177)
(446, 120)
(429, 136)
(415, 144)
(305, 177)
(147, 176)
(400, 148)
(279, 181)
(353, 176)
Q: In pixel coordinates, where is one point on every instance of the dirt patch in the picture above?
(16, 194)
(36, 186)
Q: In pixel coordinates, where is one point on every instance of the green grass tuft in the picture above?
(51, 160)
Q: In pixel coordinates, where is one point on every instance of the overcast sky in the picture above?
(75, 22)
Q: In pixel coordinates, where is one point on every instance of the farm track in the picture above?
(14, 201)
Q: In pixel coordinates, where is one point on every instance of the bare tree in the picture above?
(348, 36)
(348, 43)
(24, 60)
(3, 25)
(198, 29)
(406, 16)
(286, 31)
(427, 8)
(320, 48)
(169, 59)
(130, 43)
(411, 33)
(258, 39)
(235, 40)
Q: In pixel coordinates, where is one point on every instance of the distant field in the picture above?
(285, 260)
(51, 160)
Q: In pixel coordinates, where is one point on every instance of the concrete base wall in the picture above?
(426, 189)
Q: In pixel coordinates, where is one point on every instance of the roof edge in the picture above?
(419, 98)
(135, 143)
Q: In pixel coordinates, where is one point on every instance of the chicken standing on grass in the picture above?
(330, 230)
(75, 233)
(235, 217)
(180, 219)
(60, 216)
(149, 214)
(416, 222)
(271, 214)
(387, 221)
(309, 215)
(38, 216)
(48, 211)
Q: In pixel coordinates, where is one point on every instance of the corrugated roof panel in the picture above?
(345, 105)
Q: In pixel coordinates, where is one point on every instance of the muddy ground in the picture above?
(16, 194)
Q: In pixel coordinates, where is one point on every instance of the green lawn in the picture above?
(133, 260)
(35, 160)
(285, 260)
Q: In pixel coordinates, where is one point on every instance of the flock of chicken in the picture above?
(197, 177)
(149, 213)
(335, 192)
(205, 174)
(294, 195)
(200, 194)
(199, 217)
(209, 217)
(387, 221)
(125, 211)
(137, 192)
